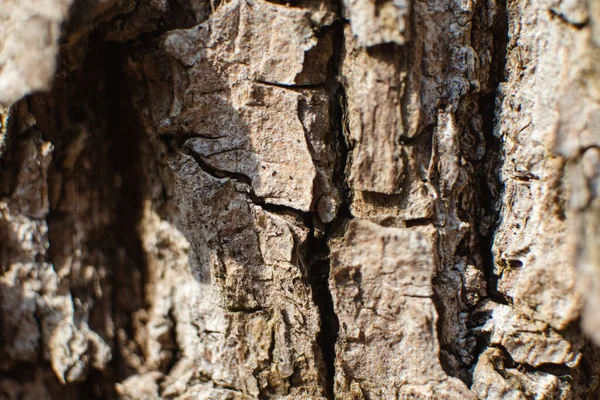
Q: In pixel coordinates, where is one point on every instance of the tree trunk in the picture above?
(299, 199)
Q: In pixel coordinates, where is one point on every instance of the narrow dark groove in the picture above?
(9, 163)
(409, 223)
(290, 3)
(215, 172)
(558, 370)
(342, 151)
(7, 142)
(508, 361)
(246, 310)
(276, 208)
(174, 144)
(564, 20)
(290, 86)
(317, 256)
(490, 185)
(317, 249)
(339, 124)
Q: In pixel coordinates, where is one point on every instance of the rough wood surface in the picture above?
(299, 199)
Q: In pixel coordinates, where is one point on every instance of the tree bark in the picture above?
(299, 199)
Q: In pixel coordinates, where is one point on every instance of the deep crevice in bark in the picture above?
(340, 124)
(317, 252)
(317, 249)
(129, 272)
(410, 223)
(490, 185)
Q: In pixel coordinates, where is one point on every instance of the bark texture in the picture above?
(306, 199)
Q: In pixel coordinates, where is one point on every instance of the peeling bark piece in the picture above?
(235, 87)
(276, 160)
(381, 286)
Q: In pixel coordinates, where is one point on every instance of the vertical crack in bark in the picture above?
(317, 252)
(475, 203)
(490, 185)
(317, 249)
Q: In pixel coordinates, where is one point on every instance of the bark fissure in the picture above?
(490, 185)
(248, 189)
(317, 250)
(317, 253)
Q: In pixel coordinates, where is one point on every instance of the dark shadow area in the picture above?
(95, 201)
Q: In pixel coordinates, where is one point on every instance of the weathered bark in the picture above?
(302, 200)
